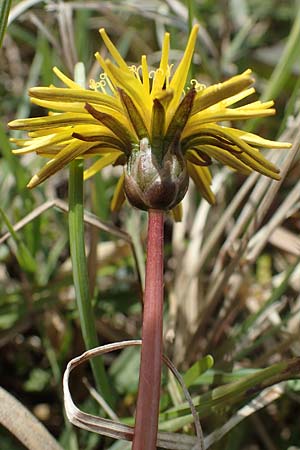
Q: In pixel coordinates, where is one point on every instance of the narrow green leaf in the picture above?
(79, 265)
(227, 395)
(23, 255)
(197, 369)
(275, 296)
(283, 69)
(20, 173)
(4, 12)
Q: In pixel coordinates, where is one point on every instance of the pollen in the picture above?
(197, 86)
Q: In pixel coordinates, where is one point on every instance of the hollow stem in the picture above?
(146, 422)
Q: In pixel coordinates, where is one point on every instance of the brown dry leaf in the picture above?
(24, 425)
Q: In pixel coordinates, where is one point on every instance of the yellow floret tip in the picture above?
(148, 119)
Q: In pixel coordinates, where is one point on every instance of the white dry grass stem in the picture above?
(118, 430)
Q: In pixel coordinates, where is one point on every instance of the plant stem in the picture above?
(146, 422)
(80, 274)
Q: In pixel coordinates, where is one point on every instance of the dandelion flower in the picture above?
(162, 131)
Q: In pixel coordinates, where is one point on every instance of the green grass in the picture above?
(243, 312)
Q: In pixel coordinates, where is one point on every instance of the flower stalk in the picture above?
(146, 422)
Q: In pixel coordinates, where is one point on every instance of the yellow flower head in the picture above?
(161, 131)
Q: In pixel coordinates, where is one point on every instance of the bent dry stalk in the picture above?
(146, 424)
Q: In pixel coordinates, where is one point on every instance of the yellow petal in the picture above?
(101, 150)
(59, 106)
(256, 106)
(198, 159)
(132, 86)
(119, 195)
(121, 128)
(160, 74)
(44, 142)
(179, 78)
(70, 96)
(218, 92)
(177, 212)
(238, 97)
(201, 177)
(64, 157)
(45, 131)
(261, 165)
(225, 157)
(67, 81)
(254, 139)
(57, 120)
(93, 129)
(103, 65)
(113, 50)
(145, 74)
(246, 152)
(100, 164)
(208, 116)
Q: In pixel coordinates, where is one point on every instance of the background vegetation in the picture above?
(232, 270)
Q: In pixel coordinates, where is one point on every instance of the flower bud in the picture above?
(150, 184)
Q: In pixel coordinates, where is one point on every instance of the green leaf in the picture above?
(20, 173)
(223, 397)
(37, 381)
(4, 12)
(79, 264)
(125, 370)
(23, 255)
(198, 369)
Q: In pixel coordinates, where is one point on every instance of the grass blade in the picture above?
(4, 12)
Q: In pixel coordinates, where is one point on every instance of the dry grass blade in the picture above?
(185, 290)
(275, 185)
(262, 195)
(220, 226)
(215, 294)
(22, 424)
(20, 8)
(181, 11)
(261, 187)
(266, 397)
(285, 240)
(118, 430)
(260, 239)
(49, 35)
(66, 29)
(199, 433)
(100, 400)
(89, 218)
(189, 286)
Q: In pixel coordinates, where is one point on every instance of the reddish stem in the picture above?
(146, 422)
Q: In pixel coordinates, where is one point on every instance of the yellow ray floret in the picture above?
(151, 121)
